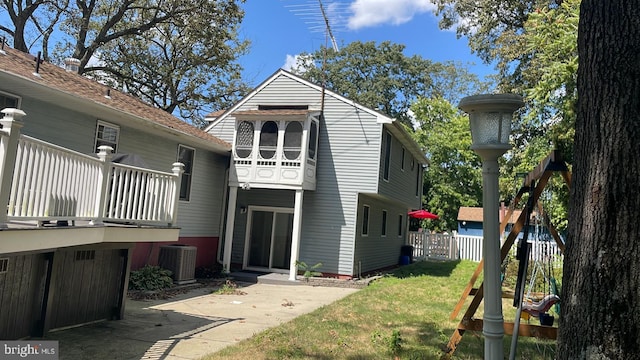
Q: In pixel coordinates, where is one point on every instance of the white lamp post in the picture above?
(490, 119)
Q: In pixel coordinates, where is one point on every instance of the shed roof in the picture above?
(466, 213)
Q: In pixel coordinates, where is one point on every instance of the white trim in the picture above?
(247, 236)
(10, 95)
(193, 163)
(106, 125)
(381, 119)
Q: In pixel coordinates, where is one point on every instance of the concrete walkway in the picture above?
(194, 324)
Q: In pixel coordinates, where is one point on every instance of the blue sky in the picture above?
(277, 31)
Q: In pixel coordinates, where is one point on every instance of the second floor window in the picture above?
(185, 156)
(244, 139)
(387, 155)
(268, 139)
(313, 140)
(107, 134)
(293, 140)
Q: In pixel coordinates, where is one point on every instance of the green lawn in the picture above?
(404, 315)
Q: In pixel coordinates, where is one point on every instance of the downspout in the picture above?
(223, 215)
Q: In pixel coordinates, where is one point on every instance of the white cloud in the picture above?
(290, 62)
(367, 13)
(297, 63)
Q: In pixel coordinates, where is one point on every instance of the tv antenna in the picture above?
(322, 17)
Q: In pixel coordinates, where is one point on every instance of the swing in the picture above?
(551, 297)
(536, 308)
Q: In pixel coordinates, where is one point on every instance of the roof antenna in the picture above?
(326, 21)
(2, 41)
(321, 22)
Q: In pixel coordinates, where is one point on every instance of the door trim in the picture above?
(247, 235)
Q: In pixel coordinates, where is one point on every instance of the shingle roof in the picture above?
(215, 114)
(475, 214)
(54, 77)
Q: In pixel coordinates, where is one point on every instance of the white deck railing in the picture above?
(463, 247)
(43, 182)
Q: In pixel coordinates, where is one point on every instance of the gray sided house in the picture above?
(57, 276)
(317, 178)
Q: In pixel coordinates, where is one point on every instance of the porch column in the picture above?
(297, 233)
(228, 234)
(11, 124)
(104, 154)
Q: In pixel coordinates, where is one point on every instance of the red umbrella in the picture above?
(422, 214)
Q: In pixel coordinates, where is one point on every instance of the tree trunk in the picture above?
(601, 279)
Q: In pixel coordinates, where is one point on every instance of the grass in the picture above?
(402, 316)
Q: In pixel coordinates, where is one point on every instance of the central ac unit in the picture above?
(181, 260)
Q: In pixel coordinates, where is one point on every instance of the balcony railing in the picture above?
(44, 182)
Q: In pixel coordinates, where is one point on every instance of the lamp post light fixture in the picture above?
(490, 118)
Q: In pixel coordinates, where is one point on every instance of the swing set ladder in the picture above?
(547, 167)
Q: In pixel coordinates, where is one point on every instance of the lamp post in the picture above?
(490, 118)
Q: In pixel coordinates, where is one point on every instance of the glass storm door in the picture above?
(270, 239)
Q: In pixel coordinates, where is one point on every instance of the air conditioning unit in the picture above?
(181, 260)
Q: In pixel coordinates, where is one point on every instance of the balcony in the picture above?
(44, 184)
(275, 149)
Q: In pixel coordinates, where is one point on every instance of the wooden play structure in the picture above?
(533, 184)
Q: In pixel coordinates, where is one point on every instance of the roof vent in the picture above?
(71, 64)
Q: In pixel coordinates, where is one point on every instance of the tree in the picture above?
(381, 77)
(533, 43)
(601, 278)
(174, 54)
(43, 15)
(454, 175)
(550, 36)
(494, 29)
(188, 65)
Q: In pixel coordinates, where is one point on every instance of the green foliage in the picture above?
(189, 63)
(392, 342)
(550, 84)
(150, 278)
(188, 67)
(494, 30)
(454, 175)
(309, 271)
(382, 77)
(533, 44)
(416, 301)
(229, 288)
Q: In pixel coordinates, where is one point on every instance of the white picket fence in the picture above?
(461, 247)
